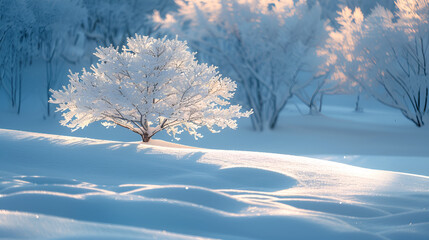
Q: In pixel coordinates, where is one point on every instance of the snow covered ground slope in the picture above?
(377, 138)
(55, 186)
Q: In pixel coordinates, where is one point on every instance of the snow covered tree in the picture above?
(331, 7)
(388, 57)
(113, 21)
(270, 47)
(16, 47)
(151, 85)
(52, 31)
(341, 46)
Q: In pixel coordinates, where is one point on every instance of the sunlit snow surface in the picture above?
(55, 186)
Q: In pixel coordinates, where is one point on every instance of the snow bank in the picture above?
(54, 186)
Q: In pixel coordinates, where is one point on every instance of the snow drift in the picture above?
(55, 186)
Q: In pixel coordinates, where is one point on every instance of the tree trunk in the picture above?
(357, 104)
(321, 101)
(145, 137)
(273, 120)
(49, 75)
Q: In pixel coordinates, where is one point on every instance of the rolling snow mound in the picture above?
(63, 187)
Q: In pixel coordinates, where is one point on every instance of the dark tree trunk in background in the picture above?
(321, 101)
(357, 105)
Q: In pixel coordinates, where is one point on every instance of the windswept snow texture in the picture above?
(55, 186)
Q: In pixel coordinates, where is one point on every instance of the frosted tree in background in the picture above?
(151, 85)
(53, 30)
(271, 48)
(341, 46)
(113, 21)
(389, 57)
(16, 47)
(331, 7)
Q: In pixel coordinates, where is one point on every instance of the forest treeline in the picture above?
(274, 50)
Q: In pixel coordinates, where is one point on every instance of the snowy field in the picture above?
(335, 175)
(341, 175)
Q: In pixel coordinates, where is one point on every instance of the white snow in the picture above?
(57, 186)
(340, 175)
